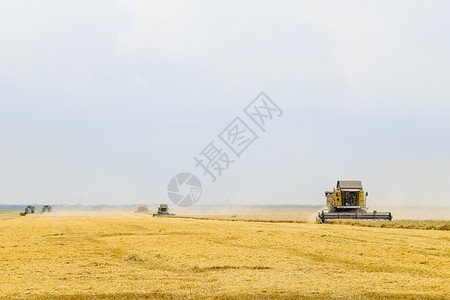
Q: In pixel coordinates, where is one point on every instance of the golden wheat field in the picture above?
(123, 255)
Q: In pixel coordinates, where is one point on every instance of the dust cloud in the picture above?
(259, 213)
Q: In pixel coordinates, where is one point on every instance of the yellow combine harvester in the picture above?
(163, 210)
(348, 201)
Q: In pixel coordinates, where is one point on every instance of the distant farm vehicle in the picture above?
(28, 210)
(142, 209)
(163, 210)
(46, 208)
(348, 201)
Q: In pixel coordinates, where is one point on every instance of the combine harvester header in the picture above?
(348, 201)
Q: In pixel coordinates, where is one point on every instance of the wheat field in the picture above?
(122, 255)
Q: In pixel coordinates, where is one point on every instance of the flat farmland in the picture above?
(121, 255)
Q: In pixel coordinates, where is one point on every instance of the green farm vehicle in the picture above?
(46, 208)
(28, 210)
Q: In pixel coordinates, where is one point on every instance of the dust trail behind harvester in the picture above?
(263, 213)
(87, 213)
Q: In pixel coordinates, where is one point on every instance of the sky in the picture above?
(104, 102)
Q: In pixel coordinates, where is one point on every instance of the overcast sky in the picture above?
(107, 100)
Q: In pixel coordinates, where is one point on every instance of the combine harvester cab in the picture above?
(348, 201)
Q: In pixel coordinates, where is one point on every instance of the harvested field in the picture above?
(248, 214)
(9, 214)
(126, 255)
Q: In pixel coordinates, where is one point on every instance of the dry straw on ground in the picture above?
(136, 256)
(406, 224)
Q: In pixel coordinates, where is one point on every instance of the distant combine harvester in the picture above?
(46, 208)
(28, 210)
(142, 209)
(163, 210)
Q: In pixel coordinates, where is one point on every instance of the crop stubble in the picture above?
(137, 256)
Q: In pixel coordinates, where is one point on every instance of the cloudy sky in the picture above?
(107, 100)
